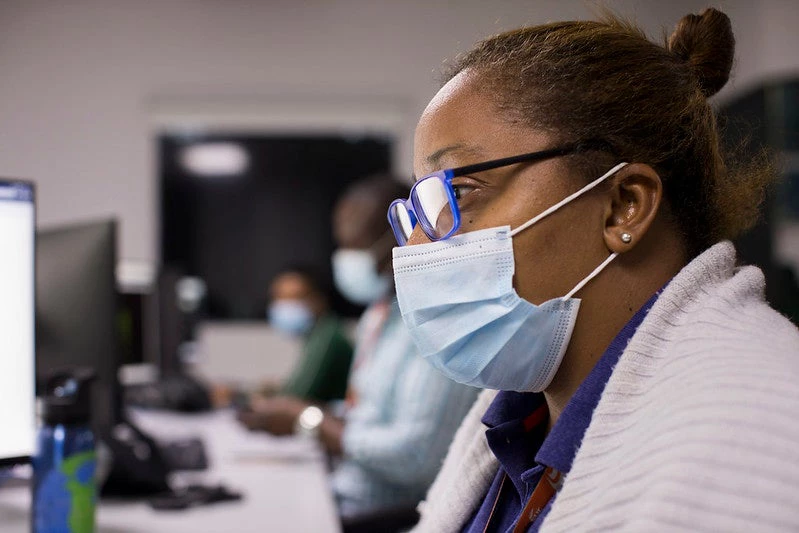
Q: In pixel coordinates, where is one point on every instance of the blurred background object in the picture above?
(766, 117)
(213, 131)
(236, 230)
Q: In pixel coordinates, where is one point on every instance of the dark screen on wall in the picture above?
(237, 232)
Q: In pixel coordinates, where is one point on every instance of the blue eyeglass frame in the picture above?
(412, 207)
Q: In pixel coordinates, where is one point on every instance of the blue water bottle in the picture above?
(64, 488)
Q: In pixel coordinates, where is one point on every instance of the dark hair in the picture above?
(310, 275)
(605, 80)
(380, 188)
(373, 195)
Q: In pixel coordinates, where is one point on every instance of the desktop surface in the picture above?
(283, 481)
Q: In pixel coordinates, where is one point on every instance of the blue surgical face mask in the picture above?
(357, 278)
(291, 316)
(458, 302)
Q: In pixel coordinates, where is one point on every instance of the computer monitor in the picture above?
(76, 311)
(17, 381)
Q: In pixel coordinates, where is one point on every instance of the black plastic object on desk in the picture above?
(138, 467)
(184, 454)
(177, 392)
(193, 496)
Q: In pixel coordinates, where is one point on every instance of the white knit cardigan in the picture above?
(697, 428)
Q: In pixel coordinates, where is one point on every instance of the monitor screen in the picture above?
(17, 352)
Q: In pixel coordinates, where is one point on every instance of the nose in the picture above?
(417, 237)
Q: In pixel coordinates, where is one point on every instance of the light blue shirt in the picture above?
(397, 434)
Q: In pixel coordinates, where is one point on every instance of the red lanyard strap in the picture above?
(547, 486)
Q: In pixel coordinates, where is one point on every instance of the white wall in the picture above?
(78, 78)
(767, 42)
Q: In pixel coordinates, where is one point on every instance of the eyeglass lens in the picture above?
(433, 200)
(401, 216)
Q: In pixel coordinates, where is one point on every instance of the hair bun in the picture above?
(705, 41)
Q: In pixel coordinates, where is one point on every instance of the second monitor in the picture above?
(76, 310)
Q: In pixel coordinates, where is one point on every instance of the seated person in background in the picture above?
(299, 306)
(401, 414)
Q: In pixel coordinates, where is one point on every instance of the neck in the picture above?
(608, 303)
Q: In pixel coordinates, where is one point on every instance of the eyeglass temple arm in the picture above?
(506, 161)
(594, 144)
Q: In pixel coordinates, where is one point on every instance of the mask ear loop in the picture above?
(560, 204)
(568, 199)
(591, 276)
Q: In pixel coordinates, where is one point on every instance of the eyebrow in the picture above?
(434, 159)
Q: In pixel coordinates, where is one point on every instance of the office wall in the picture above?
(78, 78)
(767, 41)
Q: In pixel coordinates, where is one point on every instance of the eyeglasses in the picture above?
(433, 202)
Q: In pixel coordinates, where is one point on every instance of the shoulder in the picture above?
(697, 424)
(729, 330)
(712, 364)
(714, 311)
(713, 374)
(730, 377)
(329, 334)
(712, 342)
(697, 421)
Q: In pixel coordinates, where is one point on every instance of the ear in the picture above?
(635, 196)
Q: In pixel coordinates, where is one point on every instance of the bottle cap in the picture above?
(67, 397)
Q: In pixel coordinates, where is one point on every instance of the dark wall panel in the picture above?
(238, 232)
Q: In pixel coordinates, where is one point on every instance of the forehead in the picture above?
(445, 123)
(291, 285)
(462, 124)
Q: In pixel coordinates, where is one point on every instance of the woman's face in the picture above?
(461, 126)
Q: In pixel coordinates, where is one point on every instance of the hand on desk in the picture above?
(277, 414)
(224, 395)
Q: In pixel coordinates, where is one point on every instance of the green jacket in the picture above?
(321, 374)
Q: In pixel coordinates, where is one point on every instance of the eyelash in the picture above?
(458, 187)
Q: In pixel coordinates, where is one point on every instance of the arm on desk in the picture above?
(278, 415)
(330, 432)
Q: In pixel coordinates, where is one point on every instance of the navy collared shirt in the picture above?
(524, 452)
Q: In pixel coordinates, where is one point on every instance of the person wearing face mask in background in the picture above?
(401, 414)
(299, 307)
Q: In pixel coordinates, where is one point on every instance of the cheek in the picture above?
(555, 254)
(492, 211)
(417, 237)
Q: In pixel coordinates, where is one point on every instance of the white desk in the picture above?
(283, 481)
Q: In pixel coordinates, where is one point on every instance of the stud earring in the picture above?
(626, 238)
